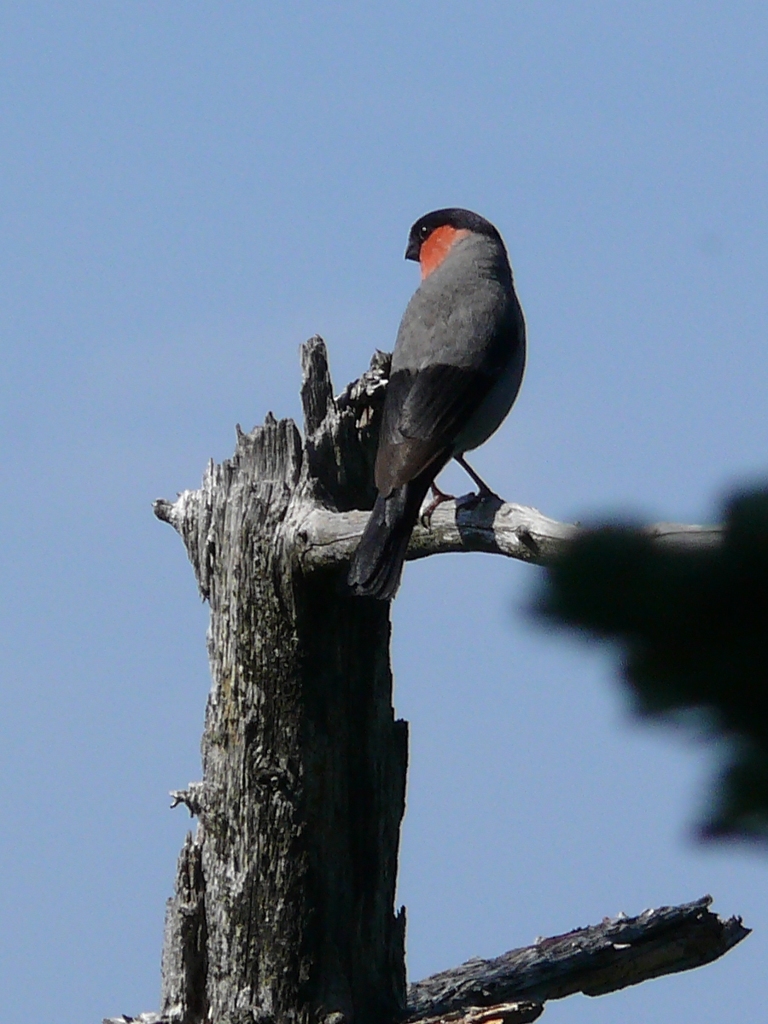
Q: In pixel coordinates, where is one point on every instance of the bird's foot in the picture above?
(438, 498)
(471, 501)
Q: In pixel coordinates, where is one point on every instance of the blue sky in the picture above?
(189, 190)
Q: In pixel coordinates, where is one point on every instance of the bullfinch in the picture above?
(456, 370)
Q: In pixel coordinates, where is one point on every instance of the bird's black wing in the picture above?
(424, 411)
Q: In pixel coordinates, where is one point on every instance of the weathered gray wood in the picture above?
(602, 958)
(618, 952)
(284, 901)
(283, 909)
(185, 945)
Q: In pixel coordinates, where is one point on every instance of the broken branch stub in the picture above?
(601, 958)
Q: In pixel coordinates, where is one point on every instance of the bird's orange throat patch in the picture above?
(436, 247)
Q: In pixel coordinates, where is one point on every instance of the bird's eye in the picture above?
(423, 232)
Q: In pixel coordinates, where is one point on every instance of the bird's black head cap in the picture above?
(452, 216)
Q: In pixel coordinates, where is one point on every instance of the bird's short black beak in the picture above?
(413, 249)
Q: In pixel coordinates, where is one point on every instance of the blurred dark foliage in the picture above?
(692, 627)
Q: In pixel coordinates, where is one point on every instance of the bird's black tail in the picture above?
(377, 565)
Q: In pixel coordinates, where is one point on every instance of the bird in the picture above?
(457, 367)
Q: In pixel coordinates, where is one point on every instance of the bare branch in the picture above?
(602, 958)
(490, 525)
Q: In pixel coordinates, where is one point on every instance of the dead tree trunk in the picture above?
(284, 902)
